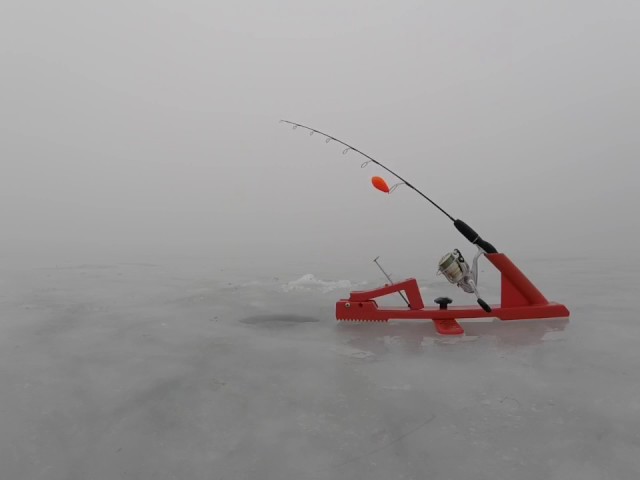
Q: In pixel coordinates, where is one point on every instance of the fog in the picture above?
(154, 126)
(146, 135)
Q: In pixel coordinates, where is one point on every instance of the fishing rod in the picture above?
(468, 232)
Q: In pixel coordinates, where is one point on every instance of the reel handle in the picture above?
(471, 235)
(485, 306)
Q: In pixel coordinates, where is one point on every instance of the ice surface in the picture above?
(162, 371)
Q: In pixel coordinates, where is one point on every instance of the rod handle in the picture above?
(471, 235)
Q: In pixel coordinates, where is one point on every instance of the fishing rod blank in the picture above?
(468, 232)
(349, 147)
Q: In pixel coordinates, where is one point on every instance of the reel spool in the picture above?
(456, 270)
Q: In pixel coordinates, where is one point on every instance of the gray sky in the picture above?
(153, 126)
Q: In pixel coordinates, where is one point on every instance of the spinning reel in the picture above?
(455, 268)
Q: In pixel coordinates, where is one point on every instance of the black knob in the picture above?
(443, 302)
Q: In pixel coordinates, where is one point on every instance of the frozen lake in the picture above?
(170, 370)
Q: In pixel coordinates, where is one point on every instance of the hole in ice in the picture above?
(284, 318)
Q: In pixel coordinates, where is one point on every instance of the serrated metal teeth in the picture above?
(345, 319)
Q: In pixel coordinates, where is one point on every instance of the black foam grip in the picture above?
(484, 305)
(471, 235)
(486, 246)
(468, 232)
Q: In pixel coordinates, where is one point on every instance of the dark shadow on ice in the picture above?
(278, 319)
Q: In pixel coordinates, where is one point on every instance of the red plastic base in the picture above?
(520, 300)
(448, 327)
